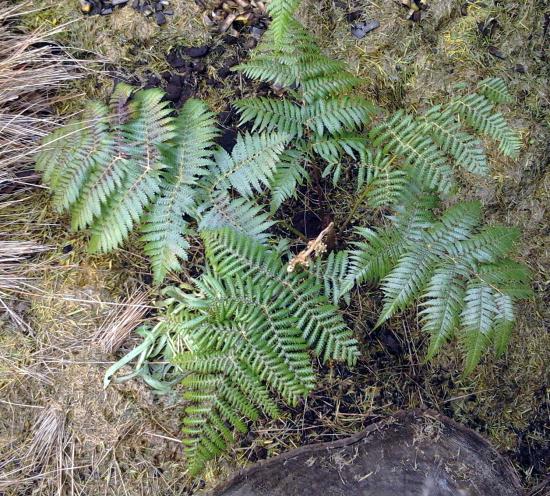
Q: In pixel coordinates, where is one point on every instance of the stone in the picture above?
(495, 52)
(361, 29)
(196, 52)
(118, 2)
(107, 11)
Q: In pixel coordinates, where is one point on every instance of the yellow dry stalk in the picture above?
(314, 247)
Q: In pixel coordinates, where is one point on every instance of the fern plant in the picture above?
(457, 268)
(319, 112)
(248, 326)
(325, 121)
(131, 163)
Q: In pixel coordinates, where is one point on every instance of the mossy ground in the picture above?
(123, 440)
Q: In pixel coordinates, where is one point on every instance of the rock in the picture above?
(175, 59)
(361, 29)
(256, 32)
(168, 12)
(495, 52)
(160, 18)
(196, 52)
(107, 11)
(146, 10)
(136, 4)
(86, 7)
(521, 68)
(353, 16)
(118, 2)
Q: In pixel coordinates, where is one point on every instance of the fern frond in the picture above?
(332, 274)
(250, 166)
(495, 90)
(288, 175)
(336, 115)
(188, 158)
(378, 182)
(477, 111)
(448, 134)
(477, 322)
(269, 114)
(244, 216)
(246, 325)
(281, 12)
(398, 136)
(322, 328)
(457, 269)
(443, 300)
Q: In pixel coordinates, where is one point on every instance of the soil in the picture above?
(124, 440)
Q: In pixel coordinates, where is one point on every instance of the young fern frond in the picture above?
(282, 13)
(457, 269)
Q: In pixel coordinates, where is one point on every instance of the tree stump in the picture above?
(409, 454)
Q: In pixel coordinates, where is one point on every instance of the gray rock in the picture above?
(118, 2)
(160, 18)
(361, 29)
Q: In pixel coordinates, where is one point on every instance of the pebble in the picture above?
(160, 18)
(146, 7)
(361, 29)
(196, 52)
(495, 52)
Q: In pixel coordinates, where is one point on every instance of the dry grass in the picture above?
(32, 72)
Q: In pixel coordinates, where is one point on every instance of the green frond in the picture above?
(457, 269)
(244, 216)
(332, 274)
(406, 280)
(248, 327)
(268, 114)
(443, 300)
(508, 277)
(503, 323)
(125, 208)
(447, 132)
(428, 165)
(250, 166)
(335, 115)
(477, 111)
(322, 327)
(378, 181)
(495, 90)
(187, 158)
(281, 12)
(477, 319)
(289, 174)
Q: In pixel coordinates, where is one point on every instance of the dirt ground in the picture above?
(62, 433)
